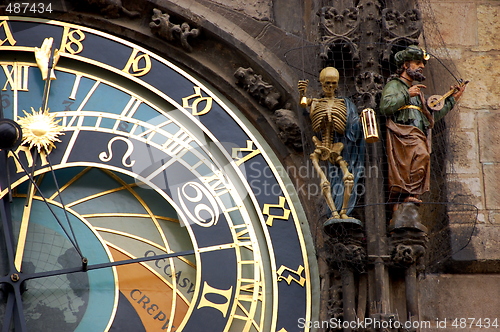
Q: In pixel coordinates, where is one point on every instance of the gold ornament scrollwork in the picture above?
(288, 279)
(271, 217)
(138, 64)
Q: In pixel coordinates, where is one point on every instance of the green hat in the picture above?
(412, 52)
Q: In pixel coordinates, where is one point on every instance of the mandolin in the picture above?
(436, 102)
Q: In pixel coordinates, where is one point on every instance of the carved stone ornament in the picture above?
(339, 27)
(368, 85)
(407, 254)
(288, 125)
(400, 28)
(263, 92)
(112, 8)
(349, 255)
(161, 26)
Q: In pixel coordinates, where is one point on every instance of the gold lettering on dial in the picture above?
(281, 205)
(72, 41)
(236, 153)
(222, 307)
(243, 236)
(107, 156)
(199, 98)
(249, 300)
(138, 64)
(301, 281)
(16, 76)
(8, 34)
(29, 157)
(216, 182)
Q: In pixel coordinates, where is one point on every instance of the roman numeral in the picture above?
(16, 77)
(179, 142)
(217, 183)
(225, 293)
(243, 236)
(249, 301)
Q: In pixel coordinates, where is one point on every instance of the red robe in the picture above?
(408, 155)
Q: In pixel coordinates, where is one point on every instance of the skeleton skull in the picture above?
(329, 78)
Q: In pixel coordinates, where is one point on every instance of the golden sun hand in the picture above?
(40, 129)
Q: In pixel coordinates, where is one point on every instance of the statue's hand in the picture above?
(414, 90)
(459, 91)
(302, 85)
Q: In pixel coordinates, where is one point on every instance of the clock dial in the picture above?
(147, 161)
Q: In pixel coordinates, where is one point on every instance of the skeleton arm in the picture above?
(304, 101)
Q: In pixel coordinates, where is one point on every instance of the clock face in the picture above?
(138, 159)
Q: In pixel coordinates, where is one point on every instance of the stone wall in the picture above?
(470, 30)
(449, 298)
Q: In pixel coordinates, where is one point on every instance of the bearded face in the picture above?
(416, 74)
(414, 69)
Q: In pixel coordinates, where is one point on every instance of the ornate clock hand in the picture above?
(46, 62)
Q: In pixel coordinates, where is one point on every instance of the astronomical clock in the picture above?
(135, 197)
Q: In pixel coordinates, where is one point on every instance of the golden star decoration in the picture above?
(40, 129)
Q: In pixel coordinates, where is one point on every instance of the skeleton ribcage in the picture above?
(329, 116)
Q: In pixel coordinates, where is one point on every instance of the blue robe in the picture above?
(353, 153)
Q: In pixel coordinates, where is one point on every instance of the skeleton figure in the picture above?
(329, 116)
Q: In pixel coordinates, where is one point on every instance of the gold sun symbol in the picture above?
(40, 129)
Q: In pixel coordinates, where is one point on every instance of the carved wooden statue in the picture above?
(337, 120)
(409, 125)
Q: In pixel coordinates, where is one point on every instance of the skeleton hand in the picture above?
(302, 85)
(348, 177)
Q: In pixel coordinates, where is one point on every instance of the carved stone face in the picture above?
(329, 78)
